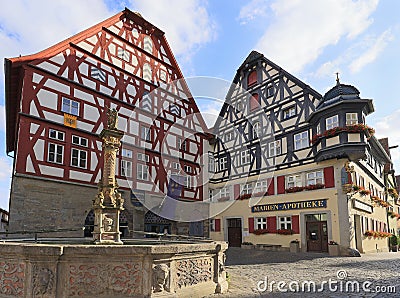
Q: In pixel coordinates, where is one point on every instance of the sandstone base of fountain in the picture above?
(58, 270)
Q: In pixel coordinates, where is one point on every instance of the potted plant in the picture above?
(294, 246)
(333, 248)
(393, 243)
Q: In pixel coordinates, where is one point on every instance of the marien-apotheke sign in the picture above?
(290, 206)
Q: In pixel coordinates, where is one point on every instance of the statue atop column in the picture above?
(108, 202)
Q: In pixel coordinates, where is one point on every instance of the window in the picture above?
(142, 172)
(261, 186)
(229, 136)
(285, 222)
(147, 73)
(301, 140)
(252, 78)
(245, 156)
(187, 181)
(212, 225)
(126, 168)
(78, 158)
(143, 157)
(145, 133)
(56, 153)
(239, 106)
(351, 118)
(211, 163)
(182, 145)
(175, 165)
(256, 130)
(270, 91)
(288, 113)
(210, 194)
(293, 181)
(274, 148)
(223, 163)
(80, 141)
(57, 135)
(163, 75)
(174, 109)
(126, 153)
(98, 74)
(315, 178)
(224, 193)
(123, 54)
(332, 122)
(70, 106)
(247, 189)
(187, 169)
(260, 223)
(319, 128)
(148, 44)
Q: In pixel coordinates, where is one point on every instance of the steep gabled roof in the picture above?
(250, 60)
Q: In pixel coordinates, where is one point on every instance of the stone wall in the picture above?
(39, 270)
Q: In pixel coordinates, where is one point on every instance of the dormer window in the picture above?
(252, 78)
(332, 122)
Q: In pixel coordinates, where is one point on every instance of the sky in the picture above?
(311, 39)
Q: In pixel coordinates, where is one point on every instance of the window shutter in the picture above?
(271, 187)
(236, 191)
(254, 102)
(271, 224)
(281, 184)
(217, 225)
(295, 224)
(329, 177)
(252, 78)
(251, 224)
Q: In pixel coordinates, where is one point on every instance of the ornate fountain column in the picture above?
(108, 203)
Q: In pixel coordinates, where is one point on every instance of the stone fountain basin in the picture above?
(140, 270)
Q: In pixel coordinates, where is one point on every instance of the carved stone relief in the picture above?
(43, 281)
(12, 277)
(191, 272)
(100, 279)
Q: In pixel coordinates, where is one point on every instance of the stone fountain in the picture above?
(110, 268)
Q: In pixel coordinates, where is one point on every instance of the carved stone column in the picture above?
(108, 203)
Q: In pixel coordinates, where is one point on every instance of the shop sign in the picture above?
(362, 206)
(290, 206)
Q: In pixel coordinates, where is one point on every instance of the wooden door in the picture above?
(235, 232)
(317, 236)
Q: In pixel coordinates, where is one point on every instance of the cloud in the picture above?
(374, 47)
(2, 118)
(300, 30)
(5, 166)
(254, 9)
(388, 127)
(209, 109)
(187, 24)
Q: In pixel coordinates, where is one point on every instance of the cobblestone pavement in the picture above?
(247, 267)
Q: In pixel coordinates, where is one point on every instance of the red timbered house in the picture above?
(56, 102)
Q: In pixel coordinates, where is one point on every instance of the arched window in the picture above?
(148, 44)
(256, 130)
(147, 73)
(252, 78)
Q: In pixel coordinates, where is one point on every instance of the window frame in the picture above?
(304, 142)
(315, 178)
(126, 168)
(70, 109)
(256, 130)
(145, 136)
(332, 122)
(142, 172)
(288, 110)
(245, 157)
(283, 221)
(351, 120)
(260, 223)
(56, 146)
(79, 143)
(222, 163)
(247, 189)
(297, 181)
(274, 150)
(57, 134)
(79, 158)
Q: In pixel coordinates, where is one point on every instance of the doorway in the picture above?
(317, 236)
(234, 232)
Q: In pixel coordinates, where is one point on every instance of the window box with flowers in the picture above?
(294, 189)
(223, 199)
(350, 128)
(259, 194)
(333, 248)
(284, 232)
(314, 186)
(244, 196)
(260, 231)
(393, 193)
(375, 234)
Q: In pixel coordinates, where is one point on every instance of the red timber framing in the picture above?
(113, 64)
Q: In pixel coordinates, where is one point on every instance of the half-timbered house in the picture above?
(56, 102)
(293, 165)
